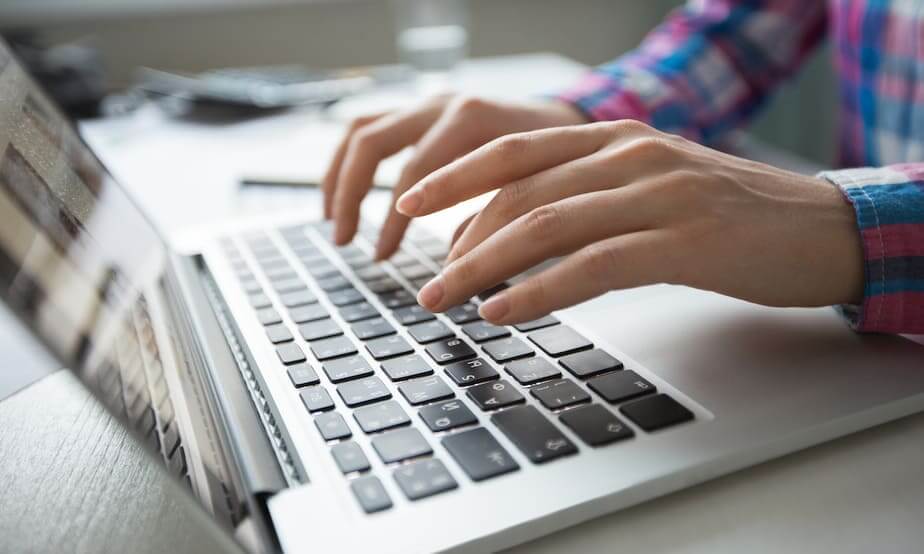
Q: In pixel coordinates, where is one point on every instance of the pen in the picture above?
(290, 183)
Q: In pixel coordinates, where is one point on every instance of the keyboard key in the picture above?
(479, 454)
(541, 323)
(278, 333)
(289, 284)
(471, 372)
(316, 399)
(402, 258)
(260, 301)
(363, 391)
(430, 331)
(350, 252)
(416, 271)
(398, 299)
(388, 347)
(443, 416)
(423, 390)
(450, 350)
(507, 349)
(533, 370)
(424, 478)
(396, 446)
(536, 437)
(321, 270)
(559, 340)
(656, 412)
(595, 425)
(491, 396)
(344, 369)
(302, 375)
(359, 261)
(372, 329)
(332, 348)
(559, 393)
(371, 273)
(332, 426)
(384, 285)
(463, 313)
(359, 311)
(283, 272)
(320, 329)
(290, 353)
(298, 298)
(410, 315)
(334, 282)
(381, 416)
(268, 316)
(620, 386)
(251, 286)
(488, 293)
(481, 331)
(371, 494)
(589, 363)
(349, 457)
(311, 312)
(345, 296)
(406, 367)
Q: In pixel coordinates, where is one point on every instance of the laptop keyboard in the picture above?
(446, 367)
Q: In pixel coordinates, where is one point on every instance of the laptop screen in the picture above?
(75, 252)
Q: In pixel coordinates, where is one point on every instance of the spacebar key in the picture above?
(533, 434)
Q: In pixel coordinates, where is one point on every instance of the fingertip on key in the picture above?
(431, 294)
(409, 202)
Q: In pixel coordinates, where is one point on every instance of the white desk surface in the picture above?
(863, 493)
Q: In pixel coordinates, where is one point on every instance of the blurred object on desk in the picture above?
(432, 37)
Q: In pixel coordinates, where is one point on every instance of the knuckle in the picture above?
(462, 271)
(631, 126)
(511, 147)
(544, 222)
(470, 105)
(365, 140)
(600, 260)
(509, 198)
(536, 294)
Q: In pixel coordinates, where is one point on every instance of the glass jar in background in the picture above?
(432, 37)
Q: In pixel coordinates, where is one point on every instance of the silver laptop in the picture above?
(300, 393)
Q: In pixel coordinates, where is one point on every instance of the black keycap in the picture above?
(589, 363)
(332, 426)
(372, 328)
(363, 391)
(302, 375)
(541, 323)
(370, 493)
(595, 425)
(559, 393)
(381, 416)
(395, 446)
(332, 348)
(371, 273)
(402, 258)
(398, 299)
(321, 270)
(559, 340)
(536, 437)
(479, 454)
(416, 271)
(446, 415)
(430, 331)
(316, 399)
(349, 457)
(533, 370)
(425, 389)
(388, 347)
(343, 297)
(344, 369)
(450, 350)
(481, 331)
(278, 333)
(463, 313)
(260, 301)
(491, 396)
(471, 372)
(656, 412)
(320, 329)
(311, 312)
(268, 316)
(358, 311)
(406, 367)
(510, 348)
(289, 284)
(384, 285)
(290, 353)
(424, 478)
(620, 386)
(488, 293)
(334, 282)
(410, 315)
(298, 298)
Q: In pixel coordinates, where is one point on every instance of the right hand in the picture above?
(443, 128)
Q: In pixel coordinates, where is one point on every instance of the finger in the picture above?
(621, 262)
(329, 182)
(461, 229)
(547, 232)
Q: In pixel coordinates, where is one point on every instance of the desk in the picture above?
(72, 482)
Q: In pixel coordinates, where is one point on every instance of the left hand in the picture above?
(631, 206)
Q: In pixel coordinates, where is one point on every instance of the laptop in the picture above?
(298, 391)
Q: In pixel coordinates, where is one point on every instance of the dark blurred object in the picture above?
(72, 74)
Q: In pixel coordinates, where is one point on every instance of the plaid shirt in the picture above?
(711, 65)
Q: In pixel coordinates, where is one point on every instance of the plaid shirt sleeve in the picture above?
(889, 203)
(707, 68)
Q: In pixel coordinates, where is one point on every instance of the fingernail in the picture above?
(432, 293)
(495, 308)
(410, 202)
